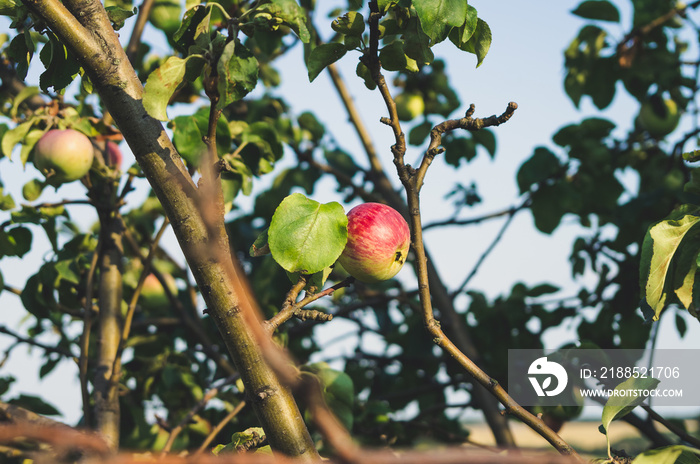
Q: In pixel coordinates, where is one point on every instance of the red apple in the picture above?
(378, 241)
(114, 155)
(63, 155)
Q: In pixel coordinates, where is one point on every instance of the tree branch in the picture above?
(205, 248)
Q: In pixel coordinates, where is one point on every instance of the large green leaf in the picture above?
(162, 84)
(238, 73)
(669, 455)
(322, 56)
(305, 235)
(626, 399)
(437, 17)
(661, 245)
(291, 15)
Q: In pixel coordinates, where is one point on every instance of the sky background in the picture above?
(524, 64)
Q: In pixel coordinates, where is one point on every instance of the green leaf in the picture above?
(306, 236)
(486, 139)
(194, 28)
(308, 122)
(322, 56)
(393, 58)
(418, 133)
(238, 73)
(187, 138)
(260, 247)
(660, 245)
(32, 189)
(61, 66)
(363, 72)
(8, 7)
(14, 136)
(118, 16)
(437, 17)
(162, 84)
(165, 15)
(620, 405)
(680, 454)
(35, 404)
(542, 165)
(291, 15)
(351, 23)
(480, 42)
(417, 43)
(601, 10)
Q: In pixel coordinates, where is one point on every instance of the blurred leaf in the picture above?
(542, 165)
(32, 189)
(306, 236)
(35, 404)
(165, 15)
(601, 10)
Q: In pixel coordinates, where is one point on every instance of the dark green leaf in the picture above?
(308, 122)
(351, 23)
(542, 165)
(260, 247)
(601, 10)
(417, 43)
(418, 133)
(61, 66)
(118, 16)
(306, 236)
(322, 56)
(188, 139)
(363, 72)
(393, 58)
(480, 42)
(437, 17)
(486, 139)
(681, 325)
(238, 73)
(291, 14)
(35, 404)
(194, 28)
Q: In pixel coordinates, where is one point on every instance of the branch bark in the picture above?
(92, 39)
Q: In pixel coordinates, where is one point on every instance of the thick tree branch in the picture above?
(208, 255)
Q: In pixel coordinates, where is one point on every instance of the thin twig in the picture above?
(219, 427)
(49, 349)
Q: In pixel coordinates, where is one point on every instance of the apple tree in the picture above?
(220, 338)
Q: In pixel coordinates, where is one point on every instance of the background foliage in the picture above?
(613, 182)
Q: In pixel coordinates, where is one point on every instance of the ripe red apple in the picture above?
(63, 155)
(114, 155)
(378, 241)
